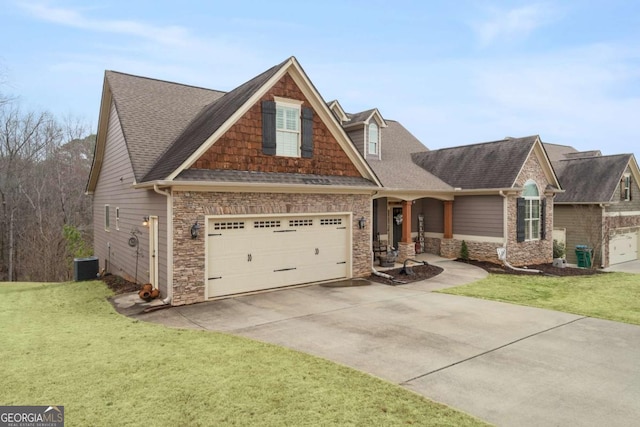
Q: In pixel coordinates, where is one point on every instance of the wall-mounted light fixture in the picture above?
(361, 223)
(145, 220)
(194, 230)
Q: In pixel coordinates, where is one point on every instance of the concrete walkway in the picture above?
(626, 267)
(507, 364)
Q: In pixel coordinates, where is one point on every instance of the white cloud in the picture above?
(166, 35)
(512, 24)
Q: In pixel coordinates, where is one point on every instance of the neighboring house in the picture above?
(601, 204)
(207, 194)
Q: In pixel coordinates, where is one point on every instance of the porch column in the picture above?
(448, 219)
(406, 247)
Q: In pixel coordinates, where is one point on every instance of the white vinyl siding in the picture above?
(287, 130)
(373, 138)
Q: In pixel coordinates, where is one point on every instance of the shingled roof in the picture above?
(205, 124)
(396, 170)
(487, 165)
(590, 179)
(153, 113)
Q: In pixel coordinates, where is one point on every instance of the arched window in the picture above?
(532, 210)
(373, 138)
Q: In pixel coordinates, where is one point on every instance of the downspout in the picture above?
(505, 223)
(167, 194)
(602, 230)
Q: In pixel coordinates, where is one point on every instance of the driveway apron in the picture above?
(507, 364)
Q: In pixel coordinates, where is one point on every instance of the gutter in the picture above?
(256, 187)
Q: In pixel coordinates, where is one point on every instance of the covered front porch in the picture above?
(411, 224)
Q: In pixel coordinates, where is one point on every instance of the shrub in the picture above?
(464, 251)
(558, 249)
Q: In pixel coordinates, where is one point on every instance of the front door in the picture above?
(396, 220)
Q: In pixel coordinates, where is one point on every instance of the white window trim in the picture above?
(118, 218)
(377, 143)
(107, 219)
(292, 104)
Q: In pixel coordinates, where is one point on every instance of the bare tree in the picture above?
(590, 223)
(43, 170)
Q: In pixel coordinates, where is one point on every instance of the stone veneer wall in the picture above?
(481, 251)
(189, 254)
(535, 251)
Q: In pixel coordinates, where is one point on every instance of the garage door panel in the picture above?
(623, 247)
(267, 252)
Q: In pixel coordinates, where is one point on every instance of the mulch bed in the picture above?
(421, 272)
(119, 285)
(547, 269)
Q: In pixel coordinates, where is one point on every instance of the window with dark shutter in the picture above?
(520, 216)
(269, 128)
(307, 133)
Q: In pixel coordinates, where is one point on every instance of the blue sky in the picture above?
(453, 73)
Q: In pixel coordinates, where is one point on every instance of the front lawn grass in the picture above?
(63, 344)
(612, 296)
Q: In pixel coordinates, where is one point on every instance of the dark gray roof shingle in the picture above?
(205, 124)
(486, 165)
(359, 117)
(396, 170)
(590, 179)
(153, 113)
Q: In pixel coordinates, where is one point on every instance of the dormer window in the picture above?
(625, 188)
(374, 138)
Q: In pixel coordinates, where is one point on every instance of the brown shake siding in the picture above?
(240, 148)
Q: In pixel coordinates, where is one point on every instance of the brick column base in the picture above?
(406, 250)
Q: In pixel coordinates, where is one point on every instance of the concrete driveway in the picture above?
(507, 364)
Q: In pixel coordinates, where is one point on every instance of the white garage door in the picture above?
(249, 254)
(623, 247)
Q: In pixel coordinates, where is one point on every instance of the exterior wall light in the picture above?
(145, 221)
(361, 223)
(194, 230)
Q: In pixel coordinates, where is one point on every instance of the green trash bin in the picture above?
(583, 253)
